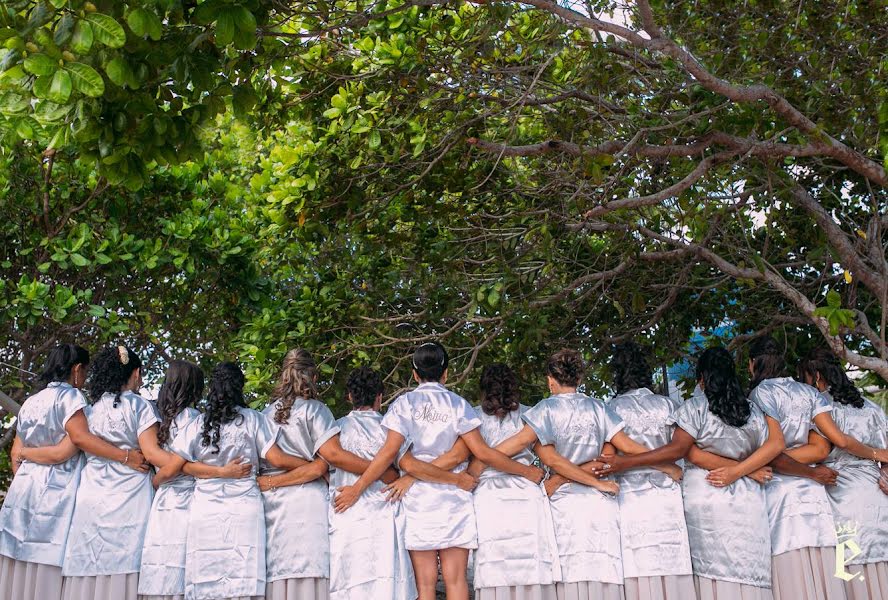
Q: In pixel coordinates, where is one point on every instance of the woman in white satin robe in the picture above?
(653, 532)
(725, 510)
(803, 532)
(104, 549)
(162, 572)
(225, 546)
(39, 503)
(440, 515)
(860, 508)
(517, 557)
(368, 555)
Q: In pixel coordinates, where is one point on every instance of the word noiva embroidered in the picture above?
(426, 413)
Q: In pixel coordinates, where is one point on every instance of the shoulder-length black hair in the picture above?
(630, 368)
(767, 360)
(430, 361)
(60, 362)
(182, 386)
(224, 395)
(111, 371)
(500, 393)
(827, 364)
(716, 369)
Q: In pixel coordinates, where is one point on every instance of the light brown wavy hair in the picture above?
(298, 380)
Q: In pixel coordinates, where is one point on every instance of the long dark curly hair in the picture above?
(767, 360)
(182, 386)
(299, 376)
(60, 362)
(630, 368)
(716, 369)
(224, 395)
(822, 361)
(364, 386)
(111, 370)
(500, 393)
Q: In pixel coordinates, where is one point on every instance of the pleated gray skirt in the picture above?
(807, 573)
(101, 587)
(872, 584)
(589, 590)
(517, 592)
(29, 581)
(715, 589)
(304, 588)
(661, 587)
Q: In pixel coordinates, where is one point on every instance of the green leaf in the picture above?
(375, 139)
(64, 30)
(79, 260)
(42, 86)
(60, 88)
(244, 19)
(107, 30)
(118, 71)
(40, 64)
(224, 28)
(86, 79)
(96, 311)
(332, 113)
(144, 22)
(833, 299)
(58, 3)
(82, 40)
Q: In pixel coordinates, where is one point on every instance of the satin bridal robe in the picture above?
(517, 557)
(727, 527)
(803, 533)
(653, 532)
(368, 556)
(587, 521)
(431, 418)
(860, 509)
(225, 548)
(162, 574)
(104, 550)
(39, 503)
(296, 524)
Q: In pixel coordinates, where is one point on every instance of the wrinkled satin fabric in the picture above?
(653, 531)
(727, 527)
(860, 509)
(226, 530)
(299, 508)
(163, 556)
(587, 522)
(113, 501)
(39, 503)
(798, 508)
(369, 558)
(516, 534)
(431, 418)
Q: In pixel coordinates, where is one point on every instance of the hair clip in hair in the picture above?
(413, 360)
(123, 353)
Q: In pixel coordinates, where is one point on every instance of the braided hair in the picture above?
(225, 394)
(182, 386)
(60, 362)
(499, 390)
(630, 368)
(715, 368)
(767, 360)
(824, 362)
(110, 371)
(299, 376)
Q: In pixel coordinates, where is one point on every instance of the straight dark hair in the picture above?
(430, 361)
(61, 361)
(182, 387)
(767, 360)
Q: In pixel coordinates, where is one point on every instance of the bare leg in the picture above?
(453, 567)
(425, 566)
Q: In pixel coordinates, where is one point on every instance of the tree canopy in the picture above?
(228, 179)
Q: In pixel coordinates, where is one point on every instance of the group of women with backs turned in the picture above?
(726, 496)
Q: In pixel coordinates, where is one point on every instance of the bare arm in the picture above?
(154, 454)
(349, 494)
(708, 460)
(448, 461)
(333, 452)
(552, 459)
(510, 447)
(428, 471)
(772, 448)
(313, 470)
(676, 449)
(498, 460)
(77, 428)
(625, 444)
(280, 459)
(236, 469)
(828, 428)
(48, 455)
(15, 454)
(815, 451)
